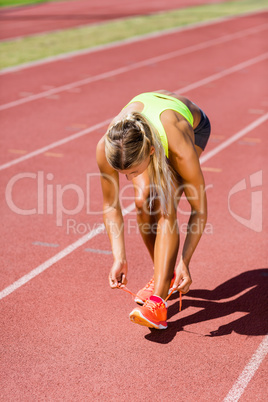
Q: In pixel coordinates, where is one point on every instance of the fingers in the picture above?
(183, 285)
(123, 280)
(113, 283)
(117, 282)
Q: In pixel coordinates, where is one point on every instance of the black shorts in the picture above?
(202, 131)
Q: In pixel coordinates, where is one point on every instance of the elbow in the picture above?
(203, 220)
(200, 217)
(201, 212)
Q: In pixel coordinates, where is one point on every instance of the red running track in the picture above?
(65, 335)
(31, 20)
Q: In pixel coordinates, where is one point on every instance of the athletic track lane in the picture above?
(70, 305)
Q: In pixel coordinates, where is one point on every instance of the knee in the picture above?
(142, 197)
(141, 202)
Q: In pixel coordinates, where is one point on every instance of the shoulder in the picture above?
(180, 135)
(184, 159)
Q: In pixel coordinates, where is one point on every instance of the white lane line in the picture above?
(100, 228)
(59, 256)
(47, 264)
(195, 85)
(55, 144)
(234, 138)
(134, 66)
(224, 73)
(123, 42)
(240, 385)
(44, 244)
(249, 371)
(97, 251)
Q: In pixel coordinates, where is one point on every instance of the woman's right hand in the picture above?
(118, 274)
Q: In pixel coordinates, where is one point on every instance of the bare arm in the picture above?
(113, 219)
(185, 161)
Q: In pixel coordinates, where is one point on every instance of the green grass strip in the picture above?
(38, 47)
(11, 3)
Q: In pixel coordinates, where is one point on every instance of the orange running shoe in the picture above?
(145, 292)
(152, 314)
(148, 291)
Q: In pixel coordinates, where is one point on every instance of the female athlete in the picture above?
(155, 141)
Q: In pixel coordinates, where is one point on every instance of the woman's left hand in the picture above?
(183, 278)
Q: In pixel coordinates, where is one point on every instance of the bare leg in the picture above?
(160, 234)
(146, 224)
(167, 246)
(165, 253)
(162, 241)
(145, 220)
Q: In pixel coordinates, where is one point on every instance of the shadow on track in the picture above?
(254, 301)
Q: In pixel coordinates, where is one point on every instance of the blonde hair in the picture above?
(128, 142)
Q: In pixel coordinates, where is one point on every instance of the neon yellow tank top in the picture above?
(156, 103)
